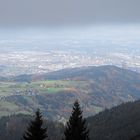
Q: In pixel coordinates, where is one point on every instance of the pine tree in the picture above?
(76, 126)
(35, 131)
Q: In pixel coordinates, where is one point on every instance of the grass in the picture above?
(98, 109)
(49, 86)
(4, 113)
(8, 105)
(53, 90)
(27, 102)
(7, 113)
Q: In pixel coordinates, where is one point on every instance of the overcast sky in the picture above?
(68, 12)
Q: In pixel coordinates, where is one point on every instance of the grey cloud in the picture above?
(59, 12)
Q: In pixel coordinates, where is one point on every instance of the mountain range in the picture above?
(97, 88)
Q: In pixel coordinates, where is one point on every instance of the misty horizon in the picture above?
(66, 34)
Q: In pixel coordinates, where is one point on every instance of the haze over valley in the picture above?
(42, 50)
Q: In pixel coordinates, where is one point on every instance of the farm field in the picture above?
(19, 97)
(39, 87)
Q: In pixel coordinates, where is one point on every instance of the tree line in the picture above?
(119, 123)
(75, 129)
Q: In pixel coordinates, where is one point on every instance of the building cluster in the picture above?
(42, 62)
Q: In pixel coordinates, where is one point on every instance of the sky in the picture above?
(68, 12)
(49, 23)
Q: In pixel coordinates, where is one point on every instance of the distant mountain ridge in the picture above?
(83, 72)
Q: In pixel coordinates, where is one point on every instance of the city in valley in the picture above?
(33, 62)
(32, 51)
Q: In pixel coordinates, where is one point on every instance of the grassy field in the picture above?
(23, 97)
(50, 86)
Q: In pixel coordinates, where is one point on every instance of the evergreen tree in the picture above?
(35, 131)
(76, 126)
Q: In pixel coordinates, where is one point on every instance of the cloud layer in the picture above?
(64, 12)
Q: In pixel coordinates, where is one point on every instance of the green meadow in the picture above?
(48, 86)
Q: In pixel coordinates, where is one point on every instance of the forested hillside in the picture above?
(96, 88)
(118, 123)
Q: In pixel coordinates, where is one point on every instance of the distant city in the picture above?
(35, 51)
(33, 62)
